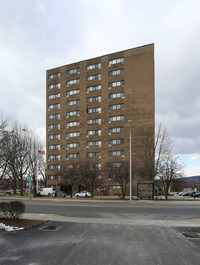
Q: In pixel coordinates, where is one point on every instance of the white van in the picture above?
(46, 191)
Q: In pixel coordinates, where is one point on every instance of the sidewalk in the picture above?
(114, 221)
(108, 199)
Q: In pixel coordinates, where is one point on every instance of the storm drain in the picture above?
(50, 228)
(191, 235)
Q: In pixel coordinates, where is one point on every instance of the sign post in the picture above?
(29, 183)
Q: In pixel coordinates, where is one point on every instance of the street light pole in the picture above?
(130, 162)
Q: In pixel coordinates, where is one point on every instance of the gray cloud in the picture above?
(42, 34)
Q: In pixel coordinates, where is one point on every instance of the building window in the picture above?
(94, 143)
(93, 110)
(57, 167)
(73, 82)
(116, 153)
(116, 130)
(54, 86)
(53, 157)
(116, 95)
(54, 106)
(94, 154)
(57, 75)
(54, 147)
(94, 121)
(73, 92)
(94, 99)
(51, 177)
(54, 126)
(54, 137)
(73, 145)
(73, 71)
(116, 141)
(116, 118)
(73, 134)
(73, 113)
(93, 88)
(57, 95)
(116, 72)
(116, 84)
(94, 132)
(73, 123)
(73, 102)
(114, 187)
(117, 164)
(115, 61)
(95, 165)
(76, 156)
(54, 116)
(94, 77)
(94, 66)
(116, 107)
(71, 166)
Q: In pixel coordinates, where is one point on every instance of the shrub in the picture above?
(13, 209)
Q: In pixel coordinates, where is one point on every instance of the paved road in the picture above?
(151, 210)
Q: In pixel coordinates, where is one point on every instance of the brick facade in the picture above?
(109, 90)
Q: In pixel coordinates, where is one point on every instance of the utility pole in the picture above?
(130, 160)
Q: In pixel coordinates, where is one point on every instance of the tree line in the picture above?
(19, 158)
(153, 159)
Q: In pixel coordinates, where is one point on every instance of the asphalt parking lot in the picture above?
(82, 232)
(62, 243)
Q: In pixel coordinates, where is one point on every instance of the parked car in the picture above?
(188, 193)
(59, 193)
(195, 194)
(2, 192)
(46, 191)
(83, 194)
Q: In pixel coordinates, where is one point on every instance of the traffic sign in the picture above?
(29, 178)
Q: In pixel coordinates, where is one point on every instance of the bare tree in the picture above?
(151, 152)
(20, 153)
(3, 138)
(20, 148)
(34, 160)
(89, 175)
(70, 175)
(42, 169)
(119, 171)
(170, 169)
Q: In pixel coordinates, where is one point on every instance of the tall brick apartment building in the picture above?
(89, 106)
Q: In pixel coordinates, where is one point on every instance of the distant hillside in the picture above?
(192, 179)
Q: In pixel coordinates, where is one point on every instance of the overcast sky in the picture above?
(42, 34)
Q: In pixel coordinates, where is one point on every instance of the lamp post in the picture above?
(130, 162)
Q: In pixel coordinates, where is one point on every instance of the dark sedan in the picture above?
(60, 194)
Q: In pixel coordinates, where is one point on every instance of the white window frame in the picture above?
(116, 118)
(116, 61)
(93, 88)
(94, 121)
(94, 66)
(94, 77)
(73, 71)
(73, 123)
(73, 82)
(73, 134)
(73, 92)
(54, 86)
